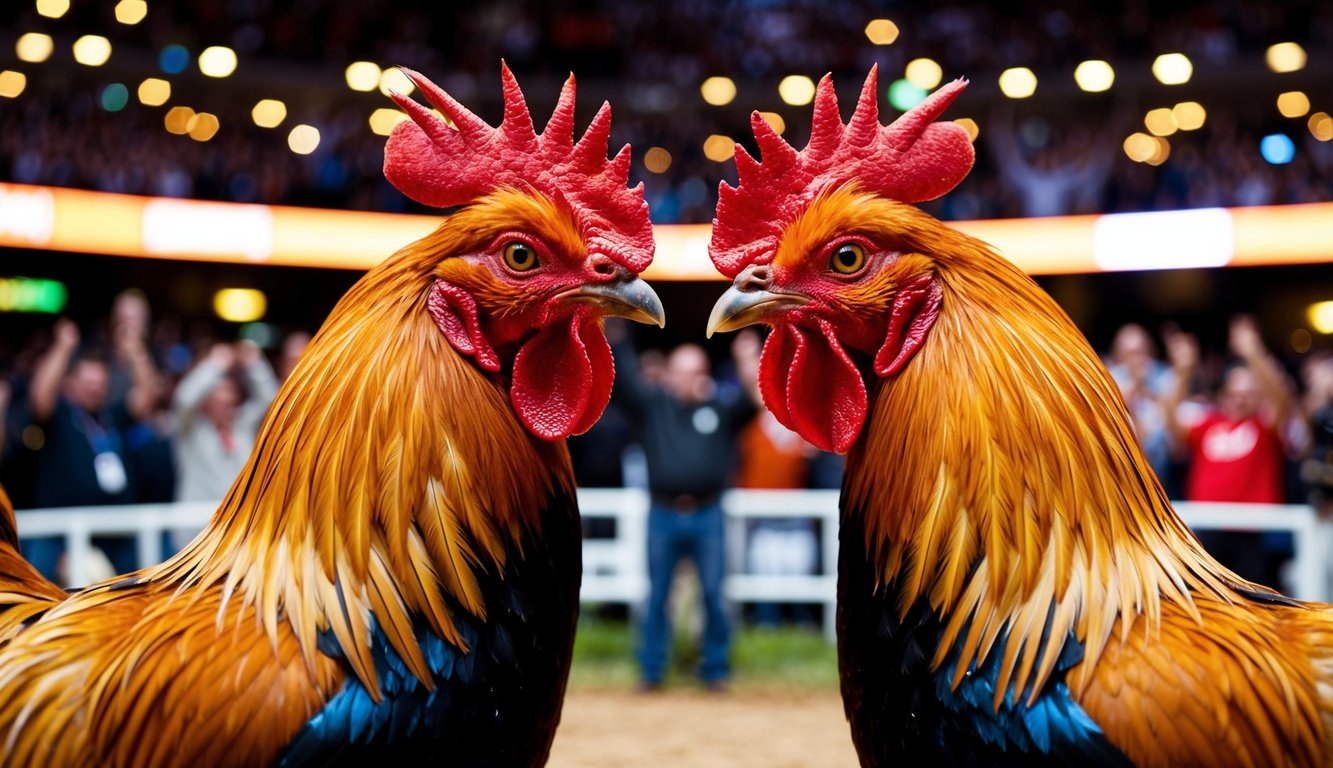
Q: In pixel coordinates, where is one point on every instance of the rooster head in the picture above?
(549, 241)
(821, 245)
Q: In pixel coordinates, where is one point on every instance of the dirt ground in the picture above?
(690, 728)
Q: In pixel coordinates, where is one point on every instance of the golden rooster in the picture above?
(1014, 587)
(395, 572)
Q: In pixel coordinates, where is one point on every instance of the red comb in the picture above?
(439, 165)
(911, 160)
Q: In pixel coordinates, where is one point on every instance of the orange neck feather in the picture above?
(388, 468)
(1005, 445)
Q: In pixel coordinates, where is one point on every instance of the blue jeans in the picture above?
(700, 536)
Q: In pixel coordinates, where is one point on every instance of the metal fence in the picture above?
(614, 566)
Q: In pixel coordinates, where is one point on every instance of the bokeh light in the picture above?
(719, 148)
(1161, 151)
(1277, 148)
(1094, 76)
(173, 59)
(363, 76)
(240, 305)
(1018, 82)
(131, 11)
(303, 139)
(114, 97)
(92, 50)
(52, 9)
(774, 121)
(393, 80)
(1189, 115)
(177, 120)
(881, 31)
(657, 160)
(217, 61)
(903, 95)
(1285, 57)
(923, 73)
(34, 47)
(718, 90)
(269, 113)
(12, 83)
(1321, 126)
(969, 125)
(1293, 104)
(1301, 341)
(1160, 122)
(203, 126)
(1172, 69)
(154, 92)
(1320, 315)
(796, 90)
(383, 120)
(1139, 147)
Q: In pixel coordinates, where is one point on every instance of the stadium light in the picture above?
(203, 126)
(970, 125)
(393, 79)
(92, 50)
(177, 120)
(903, 95)
(1160, 122)
(1320, 315)
(27, 294)
(796, 90)
(1018, 82)
(1172, 69)
(34, 47)
(774, 121)
(1139, 147)
(1277, 148)
(1094, 76)
(114, 97)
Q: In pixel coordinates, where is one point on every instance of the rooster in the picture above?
(1014, 587)
(395, 572)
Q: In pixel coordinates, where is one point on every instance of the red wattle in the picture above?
(812, 387)
(914, 311)
(562, 379)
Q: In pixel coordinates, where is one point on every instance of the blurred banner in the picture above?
(168, 228)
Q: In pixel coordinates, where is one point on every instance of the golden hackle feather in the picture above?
(1001, 482)
(388, 473)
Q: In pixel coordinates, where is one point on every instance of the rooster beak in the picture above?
(739, 307)
(628, 297)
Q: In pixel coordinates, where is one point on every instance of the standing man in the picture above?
(688, 426)
(83, 460)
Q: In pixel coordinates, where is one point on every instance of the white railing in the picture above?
(615, 568)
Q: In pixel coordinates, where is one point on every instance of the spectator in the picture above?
(217, 421)
(83, 459)
(1144, 382)
(1235, 449)
(689, 429)
(1317, 469)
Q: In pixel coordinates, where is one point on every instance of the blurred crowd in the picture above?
(1034, 159)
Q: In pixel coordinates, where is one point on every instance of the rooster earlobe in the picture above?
(455, 312)
(914, 311)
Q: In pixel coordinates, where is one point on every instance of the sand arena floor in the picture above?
(686, 727)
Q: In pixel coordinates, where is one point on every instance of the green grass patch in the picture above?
(784, 657)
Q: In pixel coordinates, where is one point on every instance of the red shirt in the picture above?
(1234, 461)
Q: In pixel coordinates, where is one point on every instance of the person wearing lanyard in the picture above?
(81, 458)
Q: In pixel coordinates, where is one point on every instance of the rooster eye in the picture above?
(848, 258)
(520, 257)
